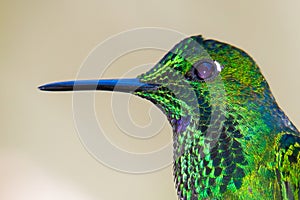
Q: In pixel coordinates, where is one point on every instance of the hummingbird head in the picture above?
(198, 84)
(193, 84)
(201, 79)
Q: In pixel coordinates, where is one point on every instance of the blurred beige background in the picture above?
(41, 156)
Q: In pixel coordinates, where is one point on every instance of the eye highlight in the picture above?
(207, 69)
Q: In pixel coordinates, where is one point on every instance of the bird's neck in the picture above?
(247, 112)
(263, 107)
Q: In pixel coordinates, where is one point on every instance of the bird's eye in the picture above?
(206, 69)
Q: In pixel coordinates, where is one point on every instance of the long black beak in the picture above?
(120, 85)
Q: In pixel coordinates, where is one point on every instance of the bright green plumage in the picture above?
(231, 140)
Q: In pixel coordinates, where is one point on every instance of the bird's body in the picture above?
(231, 139)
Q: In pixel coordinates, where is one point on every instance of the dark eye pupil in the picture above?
(205, 70)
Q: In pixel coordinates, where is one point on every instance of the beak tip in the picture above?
(42, 87)
(49, 87)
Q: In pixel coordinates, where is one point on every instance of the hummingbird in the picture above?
(231, 140)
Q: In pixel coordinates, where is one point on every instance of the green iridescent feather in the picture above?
(231, 140)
